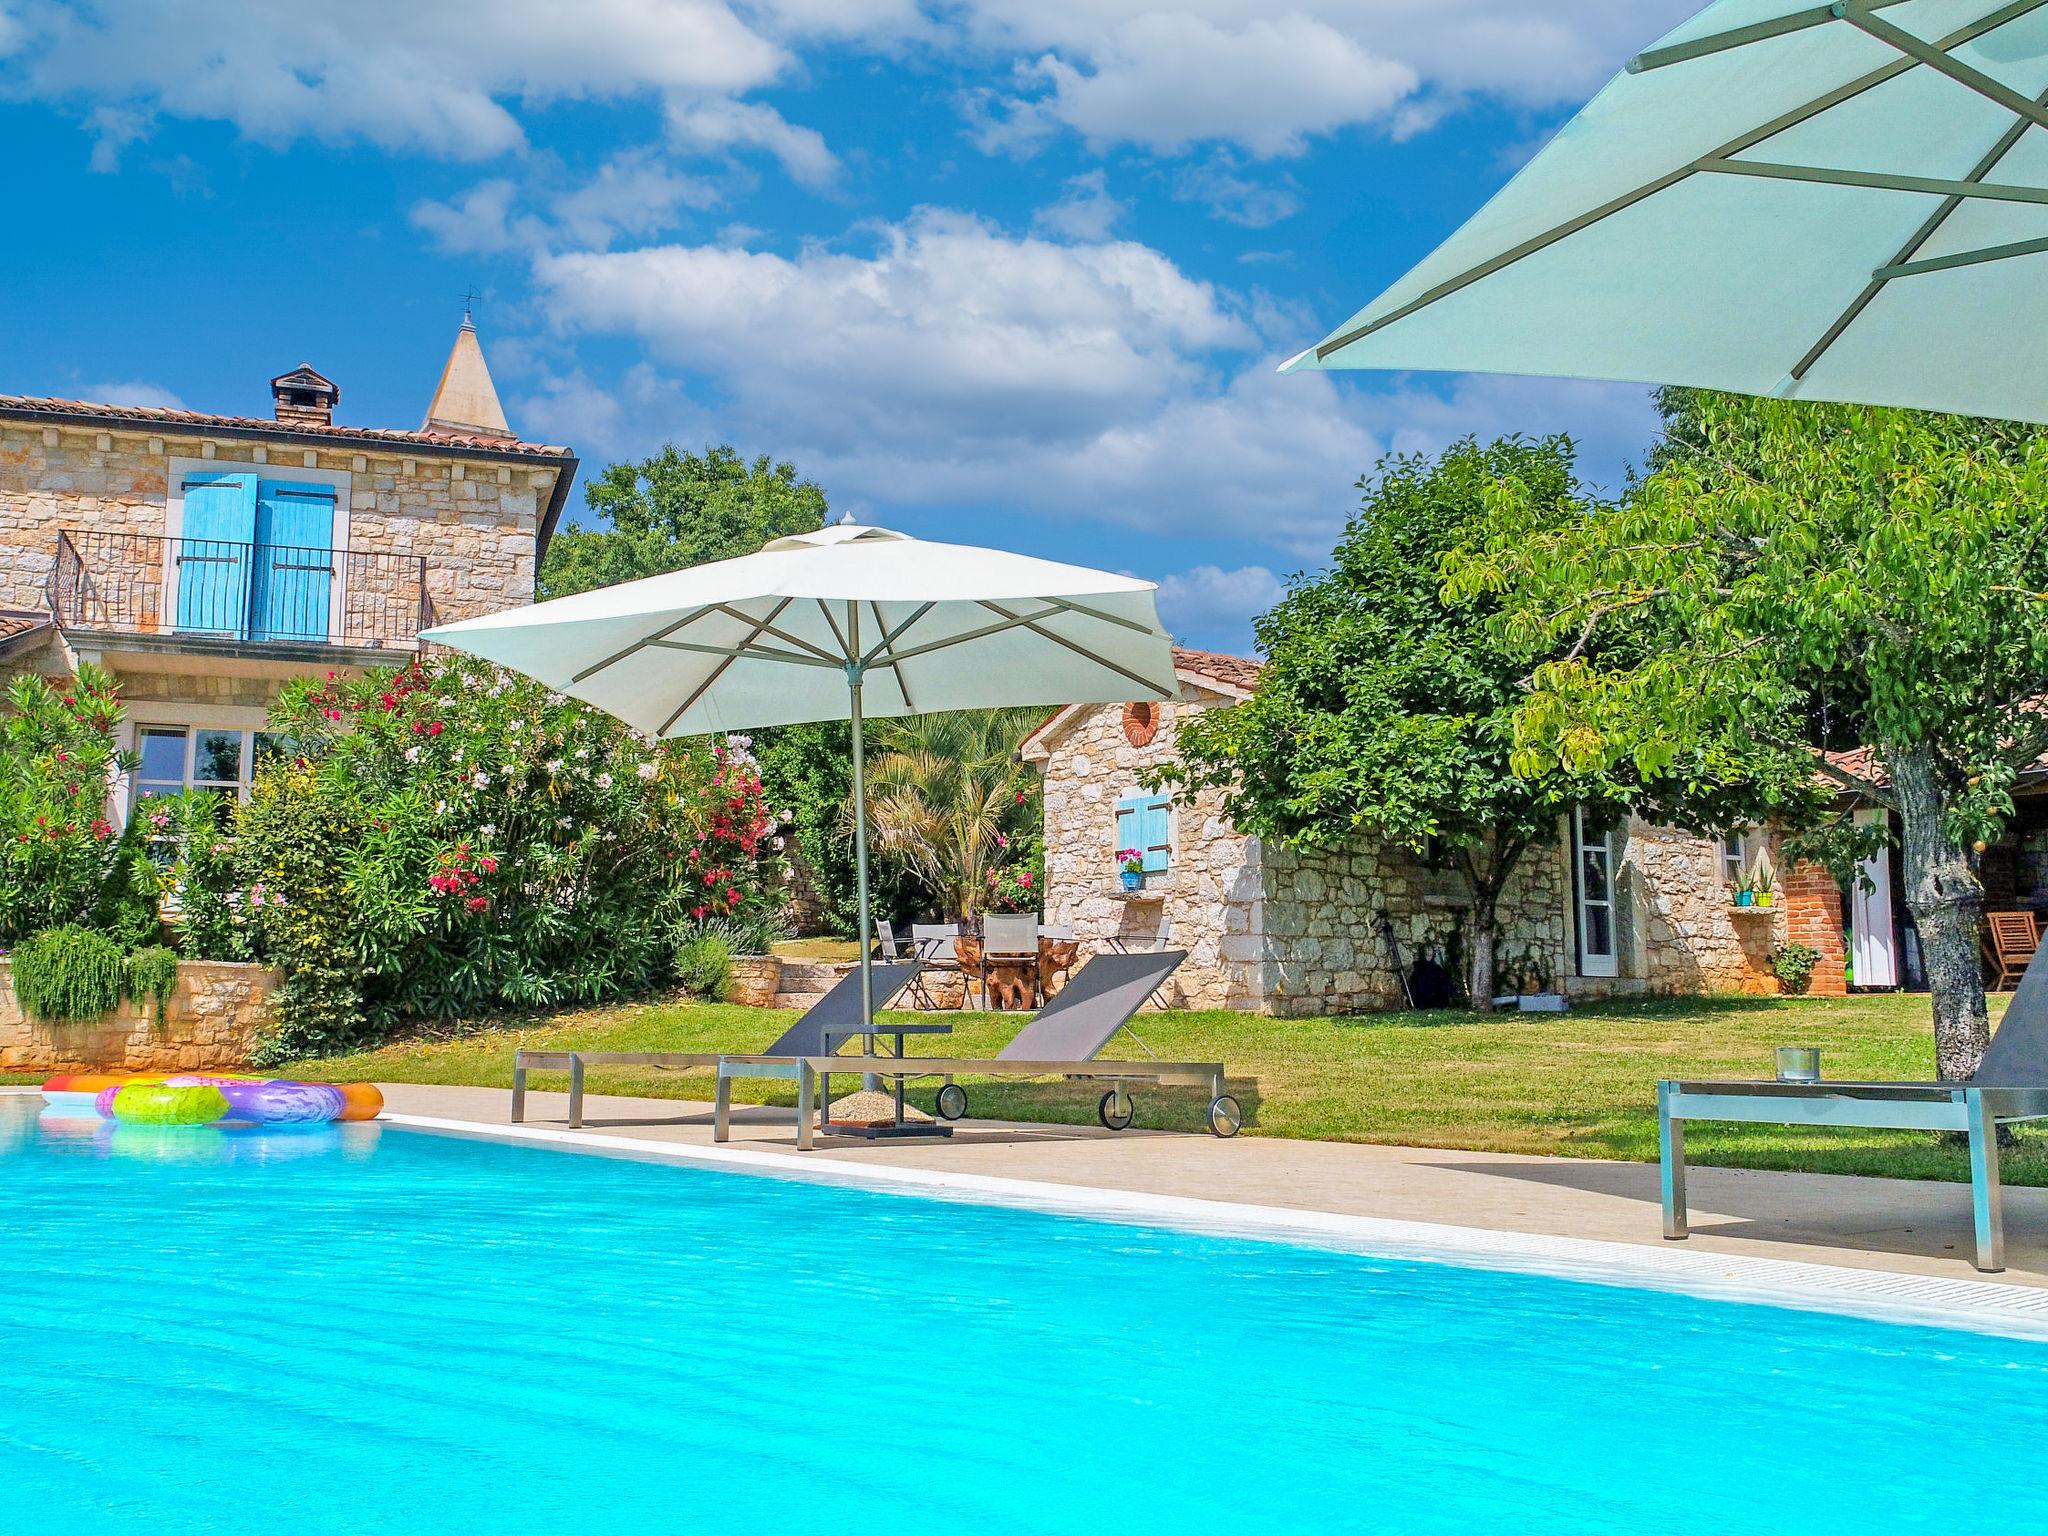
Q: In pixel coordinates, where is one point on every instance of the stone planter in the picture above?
(211, 1022)
(755, 980)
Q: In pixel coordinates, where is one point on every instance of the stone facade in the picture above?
(1271, 930)
(211, 1022)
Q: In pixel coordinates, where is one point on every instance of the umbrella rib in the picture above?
(1106, 618)
(1739, 37)
(1882, 181)
(1902, 264)
(748, 652)
(850, 659)
(1076, 647)
(719, 671)
(1938, 59)
(781, 634)
(639, 645)
(891, 636)
(1971, 258)
(1010, 621)
(882, 647)
(1847, 91)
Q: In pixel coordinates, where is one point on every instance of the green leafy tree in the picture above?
(679, 509)
(1812, 574)
(1386, 707)
(950, 804)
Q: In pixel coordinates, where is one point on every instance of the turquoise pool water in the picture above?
(365, 1329)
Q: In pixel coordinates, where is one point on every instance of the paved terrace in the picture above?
(1897, 1226)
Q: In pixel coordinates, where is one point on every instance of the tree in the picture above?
(948, 799)
(1386, 707)
(679, 509)
(1813, 573)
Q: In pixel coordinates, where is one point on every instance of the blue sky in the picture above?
(1007, 271)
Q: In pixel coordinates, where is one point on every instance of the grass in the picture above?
(1574, 1085)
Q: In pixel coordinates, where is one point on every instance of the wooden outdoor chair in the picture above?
(2014, 938)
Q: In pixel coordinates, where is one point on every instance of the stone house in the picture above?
(1601, 910)
(206, 559)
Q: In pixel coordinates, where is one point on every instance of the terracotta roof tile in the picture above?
(33, 406)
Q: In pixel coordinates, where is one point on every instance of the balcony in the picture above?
(266, 598)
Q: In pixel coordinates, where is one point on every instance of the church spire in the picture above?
(465, 400)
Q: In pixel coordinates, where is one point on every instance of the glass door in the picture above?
(1593, 866)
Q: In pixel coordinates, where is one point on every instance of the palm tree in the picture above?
(943, 795)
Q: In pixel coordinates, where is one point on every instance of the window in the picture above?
(1734, 857)
(176, 757)
(1145, 822)
(1593, 880)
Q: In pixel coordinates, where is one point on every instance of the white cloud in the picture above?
(1214, 608)
(478, 222)
(1241, 200)
(720, 126)
(131, 392)
(395, 73)
(1087, 212)
(635, 193)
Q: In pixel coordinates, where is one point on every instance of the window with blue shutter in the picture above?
(293, 576)
(1145, 822)
(213, 554)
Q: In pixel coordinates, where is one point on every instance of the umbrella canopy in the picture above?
(1828, 202)
(840, 624)
(767, 639)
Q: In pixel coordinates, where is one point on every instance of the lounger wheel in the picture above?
(1226, 1116)
(1116, 1109)
(951, 1102)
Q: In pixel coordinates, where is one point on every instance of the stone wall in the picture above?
(211, 1022)
(1681, 929)
(475, 522)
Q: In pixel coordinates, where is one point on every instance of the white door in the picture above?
(1871, 958)
(1593, 876)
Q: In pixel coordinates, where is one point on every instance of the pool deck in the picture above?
(1893, 1227)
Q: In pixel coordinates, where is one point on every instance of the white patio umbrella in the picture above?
(846, 623)
(1827, 202)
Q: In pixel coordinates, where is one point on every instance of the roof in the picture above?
(436, 442)
(20, 627)
(1234, 674)
(1221, 673)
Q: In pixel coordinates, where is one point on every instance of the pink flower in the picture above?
(1025, 879)
(478, 903)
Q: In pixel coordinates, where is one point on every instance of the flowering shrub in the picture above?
(60, 859)
(480, 842)
(1018, 885)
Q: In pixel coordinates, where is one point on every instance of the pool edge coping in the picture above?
(1981, 1306)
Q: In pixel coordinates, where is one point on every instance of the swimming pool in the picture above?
(370, 1329)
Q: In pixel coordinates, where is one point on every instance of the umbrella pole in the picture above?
(860, 866)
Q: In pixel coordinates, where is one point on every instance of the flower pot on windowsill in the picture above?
(1763, 898)
(1133, 879)
(1745, 898)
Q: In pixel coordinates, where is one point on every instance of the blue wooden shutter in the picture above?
(212, 554)
(294, 566)
(1155, 832)
(1129, 834)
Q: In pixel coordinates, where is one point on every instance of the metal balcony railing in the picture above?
(146, 584)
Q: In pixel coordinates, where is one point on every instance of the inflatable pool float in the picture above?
(209, 1098)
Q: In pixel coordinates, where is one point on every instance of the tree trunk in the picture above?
(1479, 970)
(1947, 901)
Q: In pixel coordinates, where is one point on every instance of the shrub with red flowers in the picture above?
(61, 862)
(490, 844)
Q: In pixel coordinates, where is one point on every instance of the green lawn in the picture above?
(1574, 1085)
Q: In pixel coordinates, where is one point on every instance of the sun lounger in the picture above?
(1064, 1039)
(835, 1015)
(2011, 1085)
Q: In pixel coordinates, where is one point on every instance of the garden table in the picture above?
(899, 1126)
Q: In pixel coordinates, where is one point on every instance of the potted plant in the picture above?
(1744, 896)
(1131, 866)
(1763, 880)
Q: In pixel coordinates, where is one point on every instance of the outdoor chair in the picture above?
(2014, 938)
(1064, 1040)
(832, 1019)
(934, 947)
(887, 945)
(2011, 1085)
(1009, 943)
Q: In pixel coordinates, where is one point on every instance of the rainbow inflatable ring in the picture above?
(209, 1098)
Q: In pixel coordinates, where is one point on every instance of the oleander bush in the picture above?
(452, 840)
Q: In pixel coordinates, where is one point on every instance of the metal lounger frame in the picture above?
(1976, 1112)
(807, 1071)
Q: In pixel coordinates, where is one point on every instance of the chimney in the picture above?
(304, 398)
